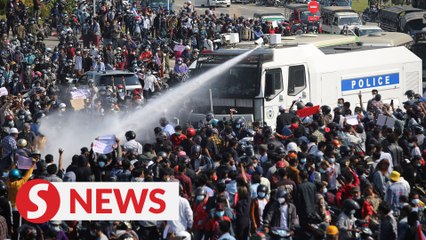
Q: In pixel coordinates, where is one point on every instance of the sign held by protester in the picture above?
(3, 92)
(104, 144)
(383, 120)
(308, 111)
(24, 163)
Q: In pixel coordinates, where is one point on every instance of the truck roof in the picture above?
(297, 6)
(366, 59)
(335, 9)
(318, 40)
(386, 39)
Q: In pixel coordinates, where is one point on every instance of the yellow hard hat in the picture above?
(332, 230)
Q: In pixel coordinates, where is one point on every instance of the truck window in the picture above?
(273, 83)
(296, 79)
(335, 21)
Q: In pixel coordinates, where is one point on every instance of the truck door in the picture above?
(335, 26)
(297, 85)
(273, 93)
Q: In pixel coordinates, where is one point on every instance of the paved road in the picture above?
(246, 10)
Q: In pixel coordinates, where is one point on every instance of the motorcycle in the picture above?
(278, 233)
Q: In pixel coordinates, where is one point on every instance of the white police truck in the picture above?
(271, 77)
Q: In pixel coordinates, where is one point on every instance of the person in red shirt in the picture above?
(213, 230)
(184, 180)
(201, 216)
(344, 192)
(177, 137)
(146, 56)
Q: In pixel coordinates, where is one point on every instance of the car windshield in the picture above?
(349, 21)
(305, 14)
(110, 80)
(365, 32)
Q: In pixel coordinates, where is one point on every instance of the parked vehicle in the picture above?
(370, 14)
(336, 19)
(341, 3)
(212, 3)
(299, 14)
(111, 78)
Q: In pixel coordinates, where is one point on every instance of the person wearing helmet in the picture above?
(257, 206)
(346, 219)
(200, 162)
(189, 142)
(166, 126)
(201, 215)
(181, 69)
(132, 144)
(28, 135)
(280, 213)
(22, 149)
(332, 233)
(239, 127)
(14, 182)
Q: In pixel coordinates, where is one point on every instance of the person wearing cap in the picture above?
(332, 233)
(396, 189)
(9, 148)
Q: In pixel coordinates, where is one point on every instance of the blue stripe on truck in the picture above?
(370, 82)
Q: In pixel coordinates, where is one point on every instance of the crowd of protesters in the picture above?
(315, 177)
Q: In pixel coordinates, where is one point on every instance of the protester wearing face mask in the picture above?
(333, 173)
(414, 171)
(256, 208)
(416, 204)
(150, 82)
(200, 213)
(346, 220)
(280, 213)
(212, 228)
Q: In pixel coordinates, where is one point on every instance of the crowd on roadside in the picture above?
(315, 177)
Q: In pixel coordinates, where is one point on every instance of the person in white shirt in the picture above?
(166, 127)
(78, 63)
(98, 65)
(185, 219)
(132, 144)
(150, 81)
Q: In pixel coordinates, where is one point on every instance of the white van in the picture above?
(334, 19)
(212, 3)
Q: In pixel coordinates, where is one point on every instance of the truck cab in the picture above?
(335, 19)
(299, 14)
